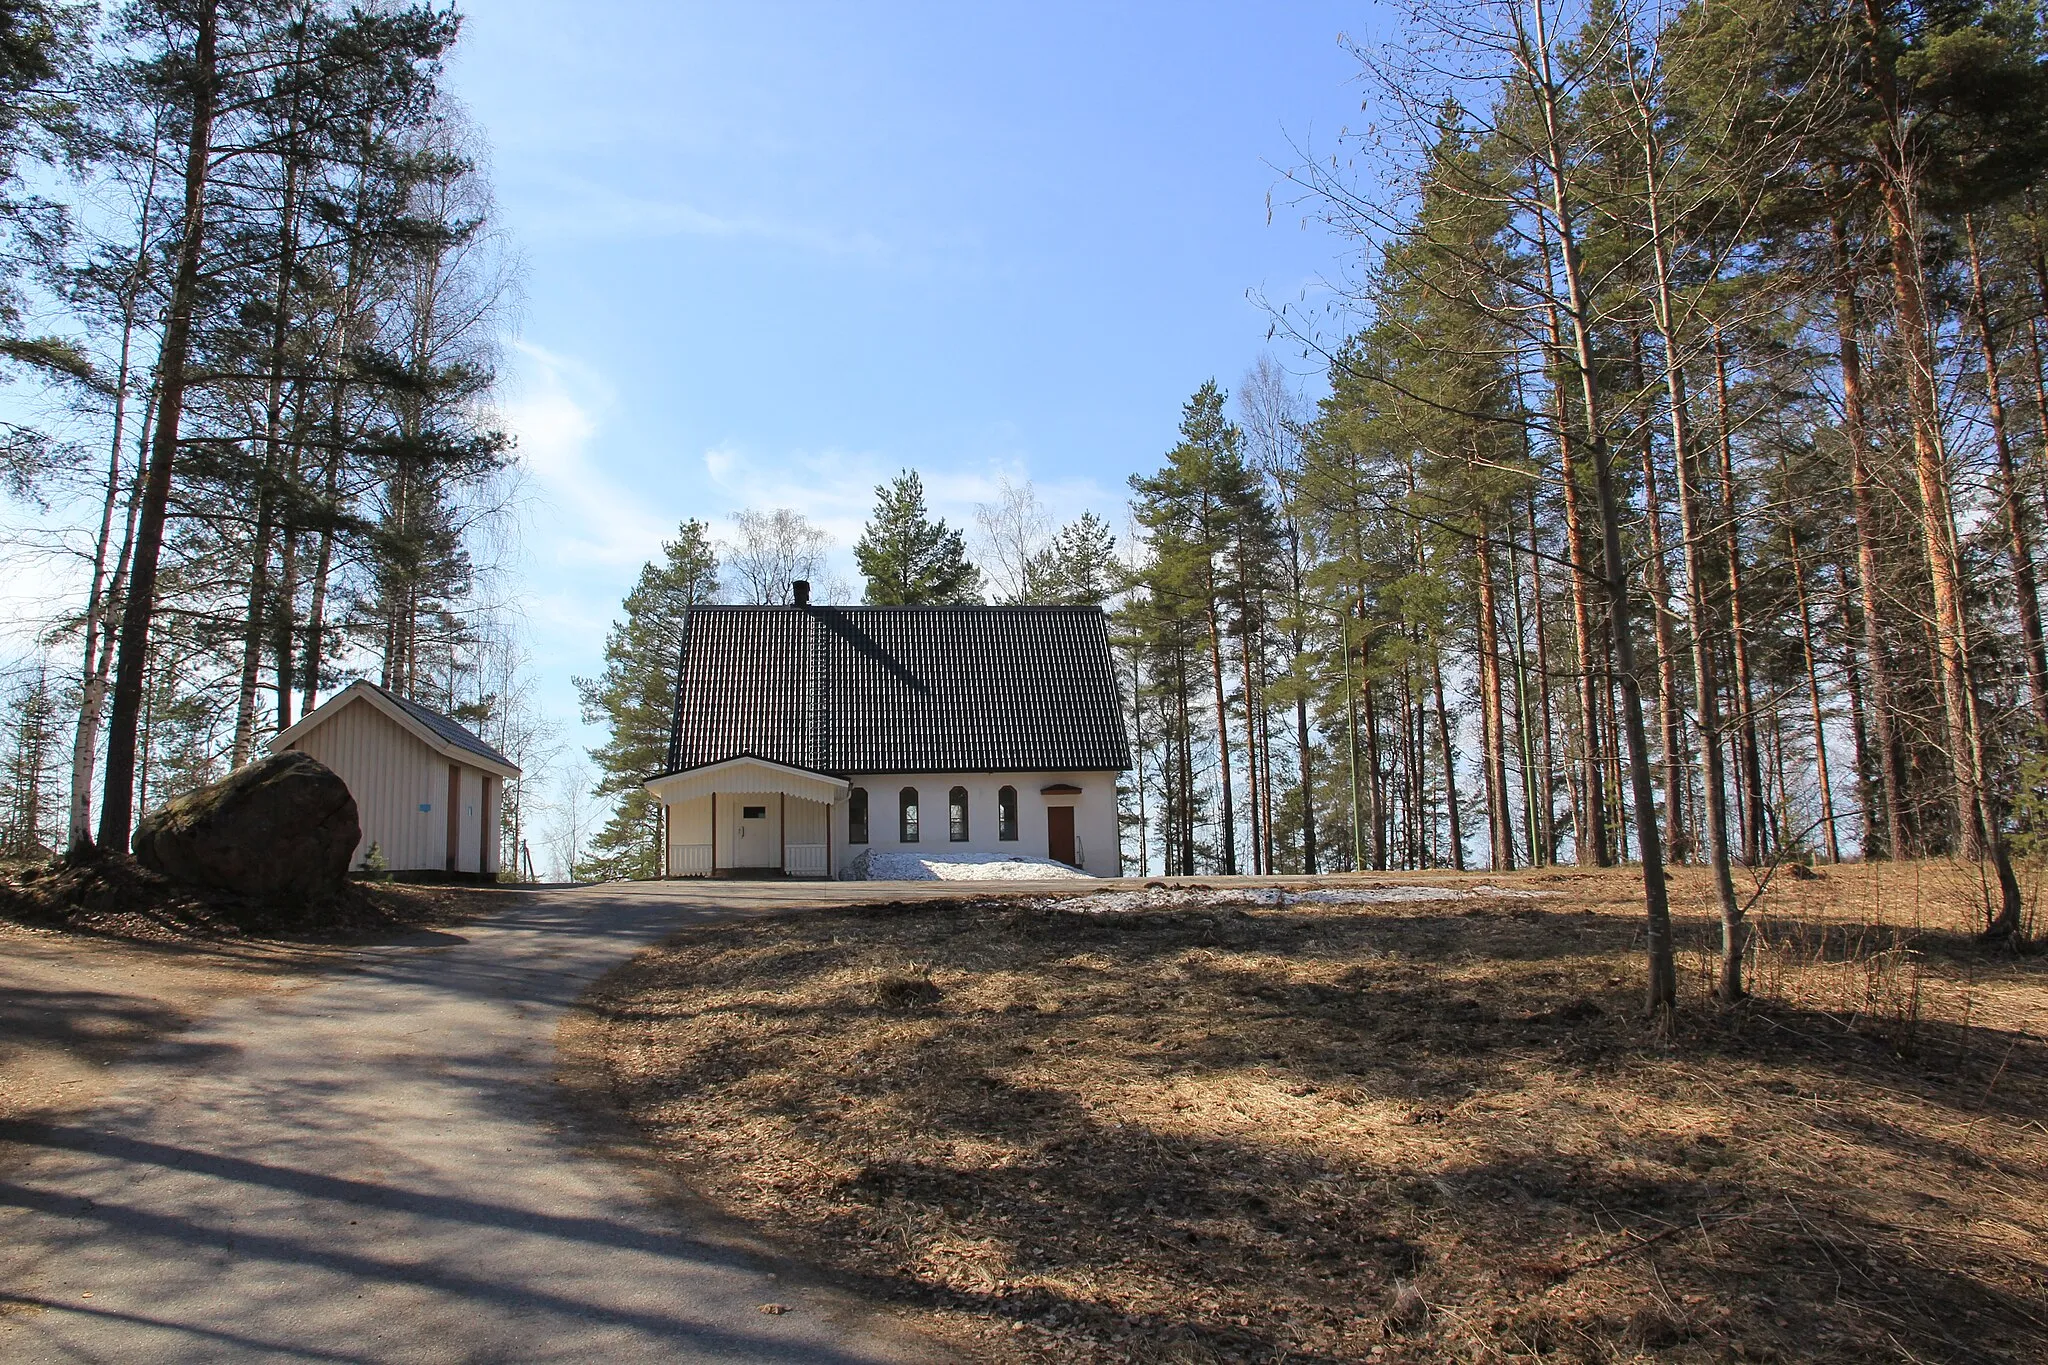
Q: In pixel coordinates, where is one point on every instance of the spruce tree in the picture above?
(910, 558)
(634, 697)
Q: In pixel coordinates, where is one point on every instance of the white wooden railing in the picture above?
(689, 860)
(804, 860)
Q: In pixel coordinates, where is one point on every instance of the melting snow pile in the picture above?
(963, 867)
(1186, 897)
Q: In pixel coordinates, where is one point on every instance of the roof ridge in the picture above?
(868, 606)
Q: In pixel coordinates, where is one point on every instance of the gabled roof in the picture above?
(746, 773)
(436, 731)
(900, 689)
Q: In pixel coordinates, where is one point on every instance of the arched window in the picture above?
(906, 815)
(857, 816)
(956, 815)
(1006, 814)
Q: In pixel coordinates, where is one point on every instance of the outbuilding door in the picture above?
(1059, 834)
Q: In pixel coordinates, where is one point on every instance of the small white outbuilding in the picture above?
(428, 792)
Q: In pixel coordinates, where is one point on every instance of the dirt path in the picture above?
(371, 1165)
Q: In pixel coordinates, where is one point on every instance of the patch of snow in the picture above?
(964, 867)
(1195, 897)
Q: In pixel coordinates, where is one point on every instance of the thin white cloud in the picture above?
(586, 518)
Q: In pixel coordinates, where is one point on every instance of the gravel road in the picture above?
(377, 1167)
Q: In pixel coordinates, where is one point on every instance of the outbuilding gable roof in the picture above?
(430, 727)
(900, 689)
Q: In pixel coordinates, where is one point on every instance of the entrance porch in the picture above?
(747, 817)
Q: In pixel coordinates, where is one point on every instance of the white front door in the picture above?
(755, 840)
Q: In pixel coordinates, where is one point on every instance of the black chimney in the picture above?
(800, 590)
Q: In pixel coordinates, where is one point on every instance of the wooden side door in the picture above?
(1059, 834)
(483, 825)
(454, 815)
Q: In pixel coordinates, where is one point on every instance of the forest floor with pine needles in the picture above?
(1433, 1130)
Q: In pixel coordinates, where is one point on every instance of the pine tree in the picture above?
(27, 780)
(635, 696)
(1078, 569)
(909, 558)
(1198, 511)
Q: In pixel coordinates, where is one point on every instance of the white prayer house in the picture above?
(428, 792)
(806, 736)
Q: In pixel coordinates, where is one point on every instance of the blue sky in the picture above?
(775, 252)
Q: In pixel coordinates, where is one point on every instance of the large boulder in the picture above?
(281, 827)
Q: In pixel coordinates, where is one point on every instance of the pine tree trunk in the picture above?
(2040, 264)
(1863, 499)
(2026, 593)
(1500, 825)
(1930, 460)
(1138, 744)
(1734, 935)
(1547, 815)
(1859, 726)
(106, 595)
(1451, 762)
(117, 806)
(1589, 815)
(1228, 823)
(1300, 680)
(1670, 706)
(276, 458)
(1266, 760)
(1525, 750)
(1375, 788)
(284, 625)
(316, 607)
(1699, 605)
(1351, 740)
(1750, 782)
(1251, 733)
(1616, 782)
(1661, 987)
(1187, 763)
(105, 589)
(252, 625)
(1820, 731)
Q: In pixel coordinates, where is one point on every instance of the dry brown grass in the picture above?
(1434, 1131)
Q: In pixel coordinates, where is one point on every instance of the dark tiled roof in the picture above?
(450, 731)
(900, 689)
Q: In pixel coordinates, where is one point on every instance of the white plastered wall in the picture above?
(1095, 816)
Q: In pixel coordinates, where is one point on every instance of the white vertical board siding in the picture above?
(807, 820)
(804, 837)
(689, 827)
(1095, 822)
(391, 775)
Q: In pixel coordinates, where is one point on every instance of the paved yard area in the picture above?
(371, 1164)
